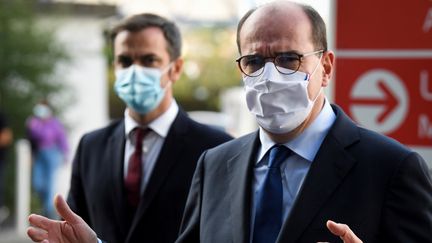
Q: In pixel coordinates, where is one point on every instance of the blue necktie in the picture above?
(268, 209)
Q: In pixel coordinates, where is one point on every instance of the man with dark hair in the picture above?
(130, 180)
(306, 165)
(141, 21)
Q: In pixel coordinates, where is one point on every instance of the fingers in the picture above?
(64, 210)
(343, 231)
(36, 234)
(41, 224)
(41, 221)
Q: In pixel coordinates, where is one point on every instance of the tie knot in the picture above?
(278, 154)
(139, 134)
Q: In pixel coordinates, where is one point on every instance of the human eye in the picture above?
(124, 61)
(252, 63)
(288, 60)
(150, 61)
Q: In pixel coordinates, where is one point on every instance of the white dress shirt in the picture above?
(296, 166)
(152, 143)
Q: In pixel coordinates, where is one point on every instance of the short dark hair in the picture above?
(139, 22)
(319, 34)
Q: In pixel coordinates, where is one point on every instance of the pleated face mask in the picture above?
(139, 87)
(279, 102)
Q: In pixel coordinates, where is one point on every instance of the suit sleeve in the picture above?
(407, 212)
(190, 226)
(76, 198)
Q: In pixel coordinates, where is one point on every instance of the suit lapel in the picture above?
(169, 154)
(115, 148)
(331, 165)
(240, 171)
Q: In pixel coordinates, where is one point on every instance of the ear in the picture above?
(328, 65)
(176, 70)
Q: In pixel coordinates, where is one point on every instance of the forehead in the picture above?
(147, 40)
(276, 28)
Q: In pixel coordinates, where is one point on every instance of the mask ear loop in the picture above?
(316, 66)
(310, 75)
(165, 70)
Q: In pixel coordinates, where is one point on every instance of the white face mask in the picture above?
(279, 102)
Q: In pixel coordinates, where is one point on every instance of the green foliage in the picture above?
(209, 68)
(115, 105)
(28, 54)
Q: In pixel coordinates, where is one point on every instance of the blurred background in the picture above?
(59, 50)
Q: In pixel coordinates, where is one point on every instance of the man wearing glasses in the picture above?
(308, 163)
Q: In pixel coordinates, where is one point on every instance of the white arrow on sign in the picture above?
(379, 100)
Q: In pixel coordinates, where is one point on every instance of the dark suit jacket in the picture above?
(381, 189)
(97, 193)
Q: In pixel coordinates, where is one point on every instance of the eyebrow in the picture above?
(123, 58)
(276, 53)
(288, 52)
(149, 55)
(140, 57)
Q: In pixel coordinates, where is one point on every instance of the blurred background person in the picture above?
(5, 142)
(130, 179)
(49, 148)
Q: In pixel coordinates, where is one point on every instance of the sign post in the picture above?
(384, 68)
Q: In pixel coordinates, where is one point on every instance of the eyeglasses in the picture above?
(285, 62)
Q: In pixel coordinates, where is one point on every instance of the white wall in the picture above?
(86, 75)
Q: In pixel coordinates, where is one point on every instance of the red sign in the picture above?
(384, 67)
(392, 96)
(384, 24)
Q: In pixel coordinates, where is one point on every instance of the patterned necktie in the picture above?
(269, 200)
(134, 173)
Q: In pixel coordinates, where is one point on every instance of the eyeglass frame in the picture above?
(300, 58)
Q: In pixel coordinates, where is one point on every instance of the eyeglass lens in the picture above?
(286, 63)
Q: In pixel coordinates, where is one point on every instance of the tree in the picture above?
(209, 68)
(28, 56)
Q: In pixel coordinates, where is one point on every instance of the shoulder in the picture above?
(350, 135)
(199, 131)
(207, 130)
(381, 143)
(234, 147)
(370, 147)
(104, 133)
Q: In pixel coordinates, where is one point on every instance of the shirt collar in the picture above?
(309, 141)
(160, 125)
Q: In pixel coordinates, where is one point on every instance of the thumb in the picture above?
(335, 228)
(64, 210)
(343, 231)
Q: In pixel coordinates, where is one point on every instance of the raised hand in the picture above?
(343, 231)
(73, 230)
